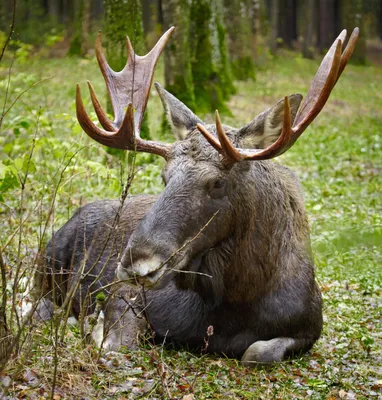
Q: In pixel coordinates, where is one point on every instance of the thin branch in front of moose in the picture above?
(23, 181)
(6, 111)
(11, 30)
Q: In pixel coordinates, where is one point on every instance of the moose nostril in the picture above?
(122, 272)
(153, 274)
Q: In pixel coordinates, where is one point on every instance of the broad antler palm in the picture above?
(326, 77)
(129, 90)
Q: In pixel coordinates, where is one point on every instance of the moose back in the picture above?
(225, 248)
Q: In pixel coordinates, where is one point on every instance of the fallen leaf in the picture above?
(342, 394)
(188, 397)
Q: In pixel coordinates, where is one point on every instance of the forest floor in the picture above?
(338, 160)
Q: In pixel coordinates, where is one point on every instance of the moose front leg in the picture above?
(124, 320)
(274, 350)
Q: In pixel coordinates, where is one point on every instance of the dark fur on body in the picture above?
(256, 248)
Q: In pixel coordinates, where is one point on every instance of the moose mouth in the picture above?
(159, 276)
(148, 280)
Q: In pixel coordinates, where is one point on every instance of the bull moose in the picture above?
(224, 251)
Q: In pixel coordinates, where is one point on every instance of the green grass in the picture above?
(338, 160)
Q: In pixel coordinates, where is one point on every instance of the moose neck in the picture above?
(269, 223)
(270, 234)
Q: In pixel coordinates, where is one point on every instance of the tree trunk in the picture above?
(327, 32)
(85, 28)
(379, 21)
(77, 39)
(352, 16)
(219, 50)
(254, 11)
(177, 71)
(239, 35)
(123, 18)
(96, 9)
(54, 9)
(5, 334)
(274, 22)
(307, 50)
(288, 22)
(208, 84)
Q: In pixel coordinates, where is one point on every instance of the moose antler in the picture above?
(326, 77)
(128, 90)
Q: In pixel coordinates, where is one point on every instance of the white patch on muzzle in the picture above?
(143, 270)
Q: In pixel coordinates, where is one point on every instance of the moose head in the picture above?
(222, 206)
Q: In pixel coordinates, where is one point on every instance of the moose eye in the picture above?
(218, 188)
(219, 184)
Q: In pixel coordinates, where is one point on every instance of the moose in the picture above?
(223, 254)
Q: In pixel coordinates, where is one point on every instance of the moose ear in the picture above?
(181, 118)
(266, 127)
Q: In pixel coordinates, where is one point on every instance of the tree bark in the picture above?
(274, 22)
(379, 21)
(240, 31)
(288, 22)
(327, 24)
(254, 8)
(307, 50)
(123, 18)
(85, 27)
(5, 334)
(178, 75)
(208, 82)
(54, 9)
(353, 15)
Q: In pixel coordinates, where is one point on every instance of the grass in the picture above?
(338, 160)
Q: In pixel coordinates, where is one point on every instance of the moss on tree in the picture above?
(178, 74)
(208, 81)
(239, 37)
(123, 18)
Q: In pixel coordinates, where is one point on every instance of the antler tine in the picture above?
(321, 86)
(211, 139)
(142, 69)
(110, 77)
(124, 137)
(233, 155)
(348, 51)
(102, 117)
(100, 135)
(128, 89)
(229, 150)
(326, 77)
(318, 94)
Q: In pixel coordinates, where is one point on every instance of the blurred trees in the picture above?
(215, 41)
(209, 67)
(197, 68)
(240, 18)
(123, 18)
(287, 19)
(178, 74)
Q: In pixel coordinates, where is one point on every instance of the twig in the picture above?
(18, 268)
(10, 31)
(162, 369)
(6, 92)
(188, 242)
(5, 112)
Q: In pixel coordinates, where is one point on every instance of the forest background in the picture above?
(240, 57)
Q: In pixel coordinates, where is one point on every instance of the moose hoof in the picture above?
(266, 351)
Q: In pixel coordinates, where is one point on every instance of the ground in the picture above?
(49, 168)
